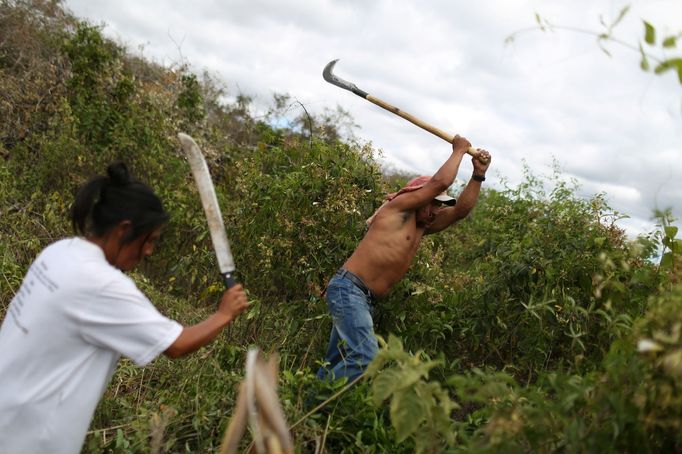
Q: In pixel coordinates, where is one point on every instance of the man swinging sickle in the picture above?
(384, 255)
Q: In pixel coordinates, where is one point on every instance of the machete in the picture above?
(216, 227)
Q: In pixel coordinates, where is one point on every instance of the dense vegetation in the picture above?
(533, 326)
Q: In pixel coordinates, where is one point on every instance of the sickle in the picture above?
(330, 77)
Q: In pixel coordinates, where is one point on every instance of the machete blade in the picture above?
(209, 201)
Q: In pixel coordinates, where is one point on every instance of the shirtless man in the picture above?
(385, 253)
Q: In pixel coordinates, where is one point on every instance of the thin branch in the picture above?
(310, 122)
(336, 395)
(600, 36)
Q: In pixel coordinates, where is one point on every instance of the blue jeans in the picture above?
(352, 343)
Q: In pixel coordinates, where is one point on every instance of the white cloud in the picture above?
(546, 96)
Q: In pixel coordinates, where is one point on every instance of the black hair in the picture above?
(105, 201)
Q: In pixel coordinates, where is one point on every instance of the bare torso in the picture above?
(385, 253)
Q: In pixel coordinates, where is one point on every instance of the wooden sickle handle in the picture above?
(414, 120)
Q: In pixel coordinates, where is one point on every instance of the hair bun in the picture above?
(118, 174)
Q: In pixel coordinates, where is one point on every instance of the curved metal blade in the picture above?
(209, 201)
(335, 80)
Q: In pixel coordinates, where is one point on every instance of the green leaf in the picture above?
(667, 261)
(407, 413)
(672, 63)
(538, 19)
(394, 343)
(392, 381)
(644, 63)
(649, 33)
(385, 385)
(676, 247)
(671, 231)
(670, 41)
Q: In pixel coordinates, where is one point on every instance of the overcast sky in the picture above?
(543, 98)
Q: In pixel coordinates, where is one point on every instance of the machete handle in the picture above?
(228, 280)
(416, 121)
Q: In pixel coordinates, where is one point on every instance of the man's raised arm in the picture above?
(467, 199)
(438, 183)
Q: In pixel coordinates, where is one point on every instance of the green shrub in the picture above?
(529, 281)
(298, 212)
(522, 315)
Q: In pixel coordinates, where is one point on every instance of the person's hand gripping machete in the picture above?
(209, 201)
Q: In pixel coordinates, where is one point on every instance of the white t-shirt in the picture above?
(63, 333)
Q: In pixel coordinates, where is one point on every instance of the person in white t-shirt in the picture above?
(76, 313)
